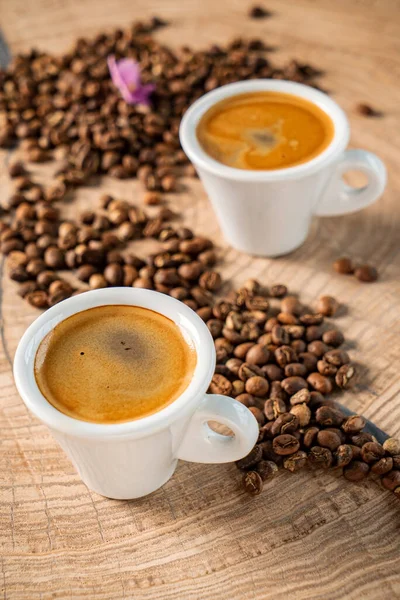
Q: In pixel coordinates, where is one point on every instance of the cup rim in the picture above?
(194, 151)
(175, 310)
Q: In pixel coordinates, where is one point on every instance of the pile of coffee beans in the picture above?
(69, 105)
(39, 244)
(364, 272)
(282, 360)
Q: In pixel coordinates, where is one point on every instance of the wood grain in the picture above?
(308, 536)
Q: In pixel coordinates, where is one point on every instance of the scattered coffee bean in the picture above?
(327, 305)
(259, 12)
(367, 111)
(252, 483)
(320, 457)
(344, 266)
(366, 273)
(356, 471)
(392, 446)
(285, 444)
(295, 461)
(344, 375)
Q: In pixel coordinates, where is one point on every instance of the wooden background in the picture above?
(308, 536)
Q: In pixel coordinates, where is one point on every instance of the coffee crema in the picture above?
(264, 131)
(113, 364)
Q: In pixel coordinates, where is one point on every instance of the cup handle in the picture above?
(203, 445)
(338, 198)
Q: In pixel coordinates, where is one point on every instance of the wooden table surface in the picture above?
(200, 537)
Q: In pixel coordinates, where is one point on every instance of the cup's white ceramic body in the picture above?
(130, 460)
(268, 213)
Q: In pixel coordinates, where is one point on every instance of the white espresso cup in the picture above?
(268, 213)
(132, 459)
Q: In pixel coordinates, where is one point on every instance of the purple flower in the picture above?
(125, 75)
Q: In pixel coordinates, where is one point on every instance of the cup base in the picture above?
(273, 253)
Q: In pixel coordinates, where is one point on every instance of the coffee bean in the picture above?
(392, 446)
(290, 304)
(292, 385)
(38, 299)
(382, 466)
(343, 455)
(344, 375)
(97, 281)
(317, 348)
(343, 266)
(220, 385)
(313, 332)
(326, 369)
(278, 290)
(285, 355)
(366, 273)
(285, 444)
(353, 424)
(252, 483)
(372, 452)
(327, 416)
(257, 355)
(303, 414)
(308, 359)
(273, 372)
(284, 423)
(286, 318)
(256, 386)
(114, 274)
(46, 278)
(327, 305)
(356, 471)
(279, 335)
(361, 438)
(337, 357)
(237, 388)
(320, 383)
(300, 397)
(328, 439)
(312, 319)
(295, 462)
(333, 337)
(251, 459)
(295, 370)
(391, 480)
(320, 457)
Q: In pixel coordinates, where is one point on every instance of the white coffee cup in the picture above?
(268, 213)
(130, 460)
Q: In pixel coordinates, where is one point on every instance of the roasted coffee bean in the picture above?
(295, 370)
(97, 281)
(35, 266)
(303, 414)
(246, 371)
(258, 355)
(290, 304)
(285, 444)
(251, 459)
(344, 266)
(328, 439)
(353, 424)
(392, 446)
(237, 387)
(313, 332)
(114, 274)
(320, 457)
(38, 299)
(308, 359)
(300, 397)
(286, 318)
(356, 471)
(46, 278)
(274, 407)
(270, 324)
(234, 364)
(279, 335)
(241, 350)
(273, 372)
(317, 348)
(337, 357)
(372, 452)
(327, 416)
(295, 461)
(326, 369)
(257, 386)
(284, 423)
(382, 466)
(285, 355)
(343, 455)
(366, 273)
(292, 385)
(327, 306)
(310, 436)
(344, 375)
(267, 469)
(362, 438)
(220, 385)
(278, 290)
(252, 483)
(333, 337)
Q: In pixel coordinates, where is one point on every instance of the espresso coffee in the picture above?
(114, 363)
(264, 131)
